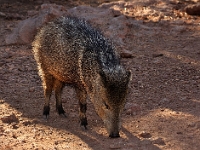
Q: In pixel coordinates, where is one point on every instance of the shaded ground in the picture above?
(163, 95)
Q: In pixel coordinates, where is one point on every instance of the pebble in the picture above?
(145, 135)
(193, 9)
(157, 55)
(159, 141)
(116, 13)
(26, 123)
(32, 89)
(2, 129)
(175, 2)
(179, 132)
(15, 126)
(2, 101)
(10, 119)
(56, 143)
(14, 136)
(126, 54)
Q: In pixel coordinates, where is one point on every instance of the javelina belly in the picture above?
(69, 50)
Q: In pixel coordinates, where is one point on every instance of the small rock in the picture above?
(175, 2)
(26, 123)
(126, 54)
(10, 119)
(116, 13)
(2, 129)
(2, 101)
(193, 9)
(157, 55)
(14, 136)
(145, 135)
(23, 141)
(56, 142)
(159, 141)
(31, 89)
(15, 126)
(179, 132)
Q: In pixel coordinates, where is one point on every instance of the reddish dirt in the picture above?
(163, 103)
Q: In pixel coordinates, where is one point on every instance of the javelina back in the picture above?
(69, 50)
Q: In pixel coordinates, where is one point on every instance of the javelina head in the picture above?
(112, 91)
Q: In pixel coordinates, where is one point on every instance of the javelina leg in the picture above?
(82, 95)
(48, 81)
(58, 87)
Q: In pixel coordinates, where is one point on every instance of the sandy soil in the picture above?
(163, 103)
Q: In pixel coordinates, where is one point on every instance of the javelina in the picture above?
(70, 50)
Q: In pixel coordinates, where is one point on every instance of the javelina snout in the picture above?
(71, 51)
(112, 91)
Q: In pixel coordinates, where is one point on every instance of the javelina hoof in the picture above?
(46, 111)
(84, 122)
(114, 135)
(60, 110)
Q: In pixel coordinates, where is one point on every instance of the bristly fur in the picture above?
(70, 50)
(85, 36)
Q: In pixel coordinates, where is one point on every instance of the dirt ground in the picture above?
(163, 103)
